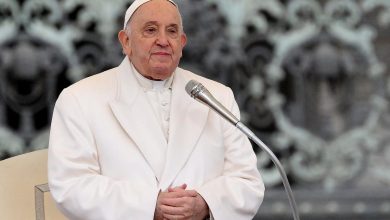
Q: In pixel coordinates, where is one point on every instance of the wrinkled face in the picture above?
(155, 41)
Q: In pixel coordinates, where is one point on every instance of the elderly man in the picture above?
(129, 143)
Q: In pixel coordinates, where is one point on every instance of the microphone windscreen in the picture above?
(191, 86)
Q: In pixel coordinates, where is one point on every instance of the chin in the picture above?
(161, 76)
(162, 73)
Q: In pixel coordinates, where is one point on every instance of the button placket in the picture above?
(165, 104)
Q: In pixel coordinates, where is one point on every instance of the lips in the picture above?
(161, 53)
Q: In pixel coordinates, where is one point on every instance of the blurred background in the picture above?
(310, 77)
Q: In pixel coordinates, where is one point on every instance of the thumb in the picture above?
(177, 188)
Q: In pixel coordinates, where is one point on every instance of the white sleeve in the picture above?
(75, 179)
(239, 191)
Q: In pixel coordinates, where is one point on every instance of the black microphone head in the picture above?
(193, 88)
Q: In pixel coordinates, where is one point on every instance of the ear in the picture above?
(183, 40)
(125, 42)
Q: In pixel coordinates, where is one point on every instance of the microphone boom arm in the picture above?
(201, 94)
(277, 163)
(197, 91)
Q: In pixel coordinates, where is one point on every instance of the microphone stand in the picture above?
(275, 160)
(201, 94)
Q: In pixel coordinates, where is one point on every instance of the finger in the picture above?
(171, 210)
(175, 202)
(185, 193)
(191, 193)
(178, 188)
(178, 194)
(179, 202)
(174, 217)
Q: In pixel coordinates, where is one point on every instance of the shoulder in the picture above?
(98, 82)
(220, 92)
(96, 86)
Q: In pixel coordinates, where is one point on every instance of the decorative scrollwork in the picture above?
(317, 76)
(307, 75)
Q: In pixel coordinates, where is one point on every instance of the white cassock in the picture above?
(109, 157)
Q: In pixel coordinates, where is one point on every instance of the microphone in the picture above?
(197, 91)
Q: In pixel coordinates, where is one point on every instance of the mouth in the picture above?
(161, 54)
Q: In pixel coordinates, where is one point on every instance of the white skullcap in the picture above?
(134, 6)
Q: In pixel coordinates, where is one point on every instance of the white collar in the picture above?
(148, 84)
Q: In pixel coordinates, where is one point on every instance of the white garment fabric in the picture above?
(159, 95)
(106, 160)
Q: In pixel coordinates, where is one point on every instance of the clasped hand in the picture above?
(179, 203)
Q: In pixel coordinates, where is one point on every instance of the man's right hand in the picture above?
(176, 192)
(181, 204)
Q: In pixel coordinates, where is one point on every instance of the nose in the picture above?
(162, 39)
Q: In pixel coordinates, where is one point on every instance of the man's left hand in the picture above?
(188, 205)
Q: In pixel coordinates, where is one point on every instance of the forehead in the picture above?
(158, 11)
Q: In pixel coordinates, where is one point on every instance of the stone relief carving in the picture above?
(309, 76)
(306, 75)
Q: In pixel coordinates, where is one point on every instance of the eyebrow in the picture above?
(157, 24)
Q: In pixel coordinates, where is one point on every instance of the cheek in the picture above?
(180, 53)
(126, 48)
(128, 51)
(177, 47)
(139, 53)
(143, 50)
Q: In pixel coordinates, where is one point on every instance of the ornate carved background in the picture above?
(310, 77)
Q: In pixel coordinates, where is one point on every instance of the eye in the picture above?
(172, 31)
(150, 30)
